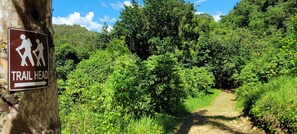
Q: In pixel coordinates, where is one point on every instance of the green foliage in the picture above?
(196, 81)
(247, 94)
(164, 83)
(268, 98)
(71, 47)
(87, 92)
(76, 36)
(127, 84)
(66, 58)
(265, 17)
(163, 123)
(94, 112)
(192, 34)
(279, 60)
(105, 88)
(98, 67)
(273, 104)
(144, 33)
(114, 89)
(225, 52)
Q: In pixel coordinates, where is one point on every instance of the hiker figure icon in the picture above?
(40, 56)
(26, 44)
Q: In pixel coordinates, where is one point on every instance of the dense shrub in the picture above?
(108, 104)
(273, 105)
(226, 51)
(98, 67)
(196, 81)
(128, 87)
(164, 83)
(276, 63)
(93, 113)
(264, 95)
(87, 103)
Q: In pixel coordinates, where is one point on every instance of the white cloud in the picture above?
(217, 16)
(109, 28)
(107, 19)
(117, 6)
(75, 18)
(127, 3)
(199, 12)
(120, 5)
(104, 4)
(200, 1)
(197, 3)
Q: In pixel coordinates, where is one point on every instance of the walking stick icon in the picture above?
(26, 44)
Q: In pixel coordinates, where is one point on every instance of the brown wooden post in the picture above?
(31, 111)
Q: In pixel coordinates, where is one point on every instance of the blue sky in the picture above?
(93, 13)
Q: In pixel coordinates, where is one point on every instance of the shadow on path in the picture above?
(199, 119)
(220, 117)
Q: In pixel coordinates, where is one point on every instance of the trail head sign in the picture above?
(28, 61)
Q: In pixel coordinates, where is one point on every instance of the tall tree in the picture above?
(33, 111)
(153, 28)
(263, 16)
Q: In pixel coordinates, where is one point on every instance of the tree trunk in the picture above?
(32, 111)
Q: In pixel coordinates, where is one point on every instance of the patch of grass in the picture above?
(148, 125)
(168, 122)
(191, 104)
(164, 123)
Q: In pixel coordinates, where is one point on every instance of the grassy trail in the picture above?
(219, 118)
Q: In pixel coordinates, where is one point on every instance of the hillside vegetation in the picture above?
(138, 76)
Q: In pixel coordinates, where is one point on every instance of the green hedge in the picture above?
(197, 81)
(273, 104)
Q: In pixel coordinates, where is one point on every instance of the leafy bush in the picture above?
(127, 85)
(67, 57)
(113, 90)
(107, 105)
(87, 103)
(281, 59)
(143, 88)
(98, 67)
(274, 104)
(92, 113)
(276, 63)
(225, 52)
(196, 81)
(163, 82)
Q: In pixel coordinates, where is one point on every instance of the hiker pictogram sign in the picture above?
(28, 60)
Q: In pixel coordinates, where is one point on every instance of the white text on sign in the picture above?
(29, 75)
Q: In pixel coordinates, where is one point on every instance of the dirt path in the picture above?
(219, 118)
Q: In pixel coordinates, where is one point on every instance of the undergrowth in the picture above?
(273, 105)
